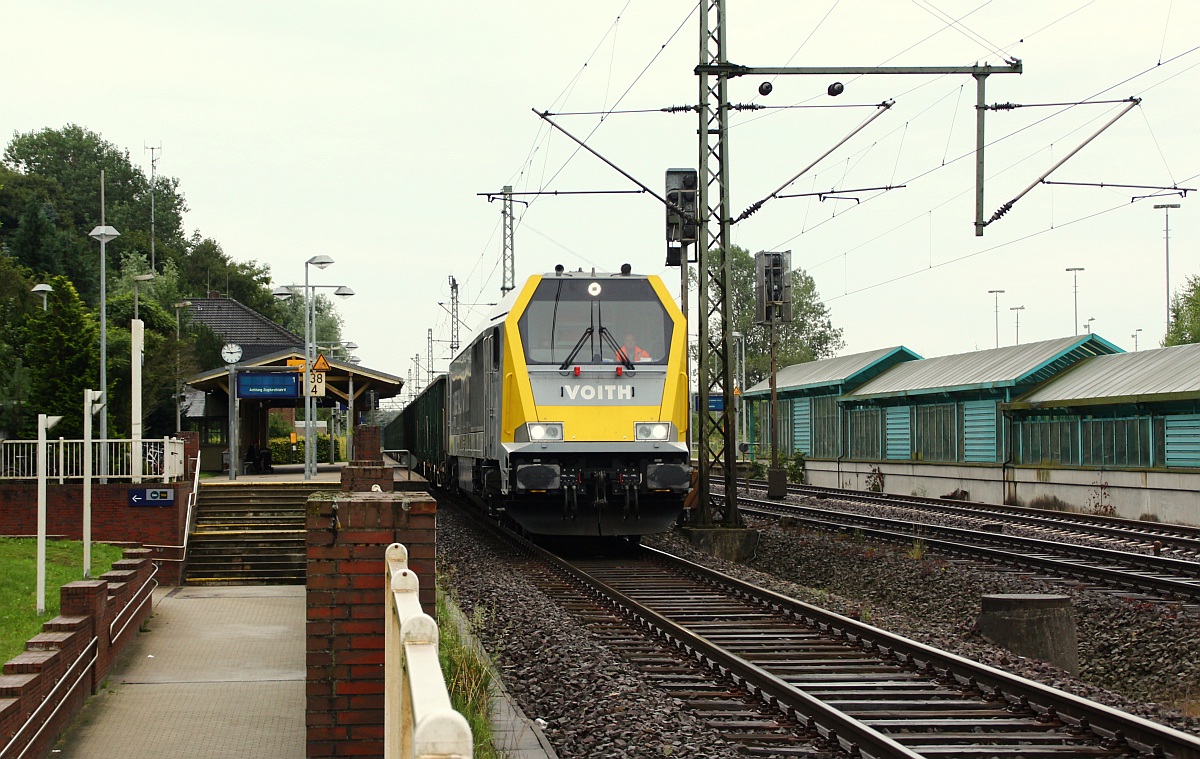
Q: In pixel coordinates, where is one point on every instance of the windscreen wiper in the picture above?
(606, 336)
(587, 333)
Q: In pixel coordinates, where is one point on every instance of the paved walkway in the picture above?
(220, 674)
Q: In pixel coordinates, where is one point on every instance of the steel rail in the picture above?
(1097, 730)
(1182, 537)
(833, 725)
(1147, 736)
(1184, 584)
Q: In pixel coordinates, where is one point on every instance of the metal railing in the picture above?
(158, 460)
(418, 719)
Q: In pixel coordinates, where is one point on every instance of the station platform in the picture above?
(219, 671)
(295, 473)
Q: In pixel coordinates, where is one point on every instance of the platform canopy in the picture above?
(339, 379)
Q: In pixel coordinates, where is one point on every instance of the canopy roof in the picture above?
(832, 374)
(1014, 366)
(1165, 374)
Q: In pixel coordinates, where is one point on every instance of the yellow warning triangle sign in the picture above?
(320, 365)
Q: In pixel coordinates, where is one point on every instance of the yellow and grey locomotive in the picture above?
(568, 411)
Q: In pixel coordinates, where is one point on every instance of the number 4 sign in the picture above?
(316, 384)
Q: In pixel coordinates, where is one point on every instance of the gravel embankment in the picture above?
(1133, 656)
(1136, 656)
(593, 702)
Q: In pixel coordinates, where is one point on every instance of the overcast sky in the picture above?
(366, 131)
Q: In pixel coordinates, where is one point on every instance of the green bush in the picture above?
(283, 452)
(795, 469)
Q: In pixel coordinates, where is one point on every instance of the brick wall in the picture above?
(344, 633)
(114, 520)
(51, 659)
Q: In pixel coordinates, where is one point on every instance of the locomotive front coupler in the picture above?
(601, 479)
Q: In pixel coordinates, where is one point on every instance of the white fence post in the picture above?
(418, 719)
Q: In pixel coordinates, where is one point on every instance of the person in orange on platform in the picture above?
(629, 351)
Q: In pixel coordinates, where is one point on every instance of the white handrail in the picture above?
(160, 459)
(419, 722)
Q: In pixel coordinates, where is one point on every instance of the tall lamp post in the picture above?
(1088, 324)
(1135, 338)
(997, 293)
(103, 233)
(43, 289)
(1075, 271)
(178, 380)
(1018, 310)
(310, 352)
(1166, 208)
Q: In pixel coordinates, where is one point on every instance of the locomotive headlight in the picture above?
(651, 431)
(540, 431)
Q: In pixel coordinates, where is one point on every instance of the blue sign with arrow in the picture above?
(151, 497)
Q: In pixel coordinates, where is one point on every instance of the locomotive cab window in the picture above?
(594, 321)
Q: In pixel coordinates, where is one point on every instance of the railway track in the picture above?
(1159, 578)
(1176, 541)
(784, 678)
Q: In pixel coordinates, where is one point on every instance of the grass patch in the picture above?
(468, 678)
(1049, 503)
(19, 620)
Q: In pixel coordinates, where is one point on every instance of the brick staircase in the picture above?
(250, 533)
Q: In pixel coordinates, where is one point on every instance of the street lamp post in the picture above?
(1135, 338)
(136, 279)
(1166, 207)
(178, 379)
(1018, 309)
(1088, 324)
(1075, 271)
(310, 352)
(103, 233)
(43, 289)
(997, 293)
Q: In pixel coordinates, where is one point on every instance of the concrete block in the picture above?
(729, 543)
(1032, 624)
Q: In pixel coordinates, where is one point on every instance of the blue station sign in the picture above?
(151, 497)
(268, 385)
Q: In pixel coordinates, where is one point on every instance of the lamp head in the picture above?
(282, 292)
(143, 277)
(321, 262)
(343, 292)
(42, 288)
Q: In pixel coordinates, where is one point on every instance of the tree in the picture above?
(62, 358)
(1185, 315)
(809, 336)
(16, 303)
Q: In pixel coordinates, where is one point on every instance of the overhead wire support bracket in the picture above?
(829, 193)
(1133, 102)
(1172, 190)
(493, 195)
(882, 108)
(544, 115)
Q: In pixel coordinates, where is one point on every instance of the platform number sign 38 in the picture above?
(316, 384)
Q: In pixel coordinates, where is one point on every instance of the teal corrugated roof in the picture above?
(833, 372)
(1011, 366)
(1163, 374)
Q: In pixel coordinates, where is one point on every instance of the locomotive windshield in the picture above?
(595, 321)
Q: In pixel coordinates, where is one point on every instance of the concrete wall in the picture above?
(52, 658)
(1169, 496)
(345, 630)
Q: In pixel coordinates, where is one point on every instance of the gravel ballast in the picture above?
(1133, 656)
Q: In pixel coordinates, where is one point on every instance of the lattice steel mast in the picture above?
(509, 263)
